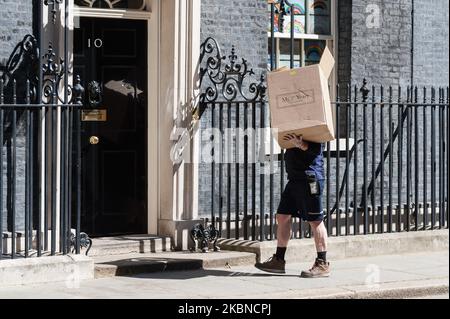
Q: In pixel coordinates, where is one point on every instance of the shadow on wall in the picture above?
(17, 76)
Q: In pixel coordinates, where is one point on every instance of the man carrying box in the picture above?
(301, 111)
(302, 198)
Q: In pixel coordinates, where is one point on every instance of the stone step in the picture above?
(122, 245)
(133, 264)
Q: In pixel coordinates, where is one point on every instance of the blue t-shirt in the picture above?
(299, 163)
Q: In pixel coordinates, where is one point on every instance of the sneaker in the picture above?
(321, 269)
(273, 265)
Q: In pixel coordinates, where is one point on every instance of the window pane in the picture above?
(320, 7)
(320, 25)
(313, 51)
(320, 17)
(285, 53)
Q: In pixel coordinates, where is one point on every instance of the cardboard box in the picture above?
(300, 102)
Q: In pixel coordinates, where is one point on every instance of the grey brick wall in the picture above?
(382, 54)
(16, 20)
(244, 25)
(239, 23)
(431, 58)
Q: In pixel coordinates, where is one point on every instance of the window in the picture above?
(311, 17)
(306, 52)
(313, 31)
(112, 4)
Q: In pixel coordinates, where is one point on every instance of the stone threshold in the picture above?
(134, 264)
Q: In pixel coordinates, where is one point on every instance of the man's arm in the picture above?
(312, 150)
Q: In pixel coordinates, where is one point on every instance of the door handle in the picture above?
(94, 140)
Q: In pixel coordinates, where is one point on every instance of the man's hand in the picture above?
(297, 141)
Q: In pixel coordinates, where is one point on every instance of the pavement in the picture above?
(424, 275)
(434, 297)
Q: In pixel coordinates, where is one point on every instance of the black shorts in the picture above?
(297, 201)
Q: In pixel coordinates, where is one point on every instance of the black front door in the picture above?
(110, 55)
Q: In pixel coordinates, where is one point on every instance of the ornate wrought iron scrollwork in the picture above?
(85, 242)
(203, 237)
(230, 81)
(23, 65)
(54, 71)
(365, 91)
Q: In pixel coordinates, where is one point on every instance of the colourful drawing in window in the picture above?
(313, 51)
(299, 25)
(285, 25)
(299, 7)
(276, 24)
(318, 22)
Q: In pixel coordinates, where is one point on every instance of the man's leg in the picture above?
(284, 223)
(284, 230)
(276, 264)
(320, 236)
(321, 267)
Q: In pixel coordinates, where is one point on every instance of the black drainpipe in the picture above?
(412, 43)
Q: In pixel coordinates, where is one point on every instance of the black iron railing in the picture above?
(399, 179)
(36, 174)
(386, 172)
(40, 165)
